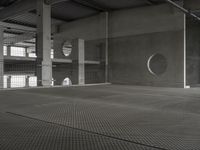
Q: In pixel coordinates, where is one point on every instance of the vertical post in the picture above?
(27, 81)
(78, 62)
(9, 50)
(26, 52)
(106, 49)
(9, 81)
(44, 63)
(1, 58)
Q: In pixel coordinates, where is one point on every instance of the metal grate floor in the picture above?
(108, 117)
(18, 133)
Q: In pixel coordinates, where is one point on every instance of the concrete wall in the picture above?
(92, 30)
(129, 56)
(134, 36)
(193, 52)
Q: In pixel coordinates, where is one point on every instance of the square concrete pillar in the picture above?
(1, 58)
(9, 81)
(27, 81)
(103, 63)
(26, 53)
(43, 48)
(9, 50)
(78, 61)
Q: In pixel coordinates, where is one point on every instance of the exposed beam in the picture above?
(18, 38)
(24, 28)
(150, 2)
(21, 7)
(187, 12)
(17, 8)
(91, 4)
(52, 2)
(17, 26)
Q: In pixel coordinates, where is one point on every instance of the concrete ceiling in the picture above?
(29, 19)
(69, 11)
(5, 3)
(64, 10)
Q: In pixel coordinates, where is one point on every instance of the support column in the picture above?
(9, 81)
(102, 53)
(106, 48)
(9, 50)
(26, 52)
(78, 61)
(1, 58)
(27, 81)
(44, 63)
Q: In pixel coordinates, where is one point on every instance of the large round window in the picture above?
(157, 64)
(67, 48)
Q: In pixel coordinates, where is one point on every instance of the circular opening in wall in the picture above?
(66, 82)
(157, 64)
(67, 48)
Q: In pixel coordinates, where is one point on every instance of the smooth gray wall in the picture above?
(129, 56)
(136, 35)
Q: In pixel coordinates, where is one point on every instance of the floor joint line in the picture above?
(82, 130)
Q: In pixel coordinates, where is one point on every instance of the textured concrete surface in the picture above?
(128, 58)
(136, 35)
(100, 117)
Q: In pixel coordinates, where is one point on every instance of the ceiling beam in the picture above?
(17, 8)
(17, 26)
(52, 2)
(187, 12)
(91, 4)
(150, 2)
(18, 38)
(21, 7)
(6, 25)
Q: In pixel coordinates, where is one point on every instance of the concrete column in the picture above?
(8, 50)
(9, 81)
(26, 52)
(102, 54)
(44, 63)
(78, 62)
(1, 58)
(106, 47)
(27, 81)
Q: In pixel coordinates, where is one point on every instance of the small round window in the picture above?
(157, 64)
(67, 48)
